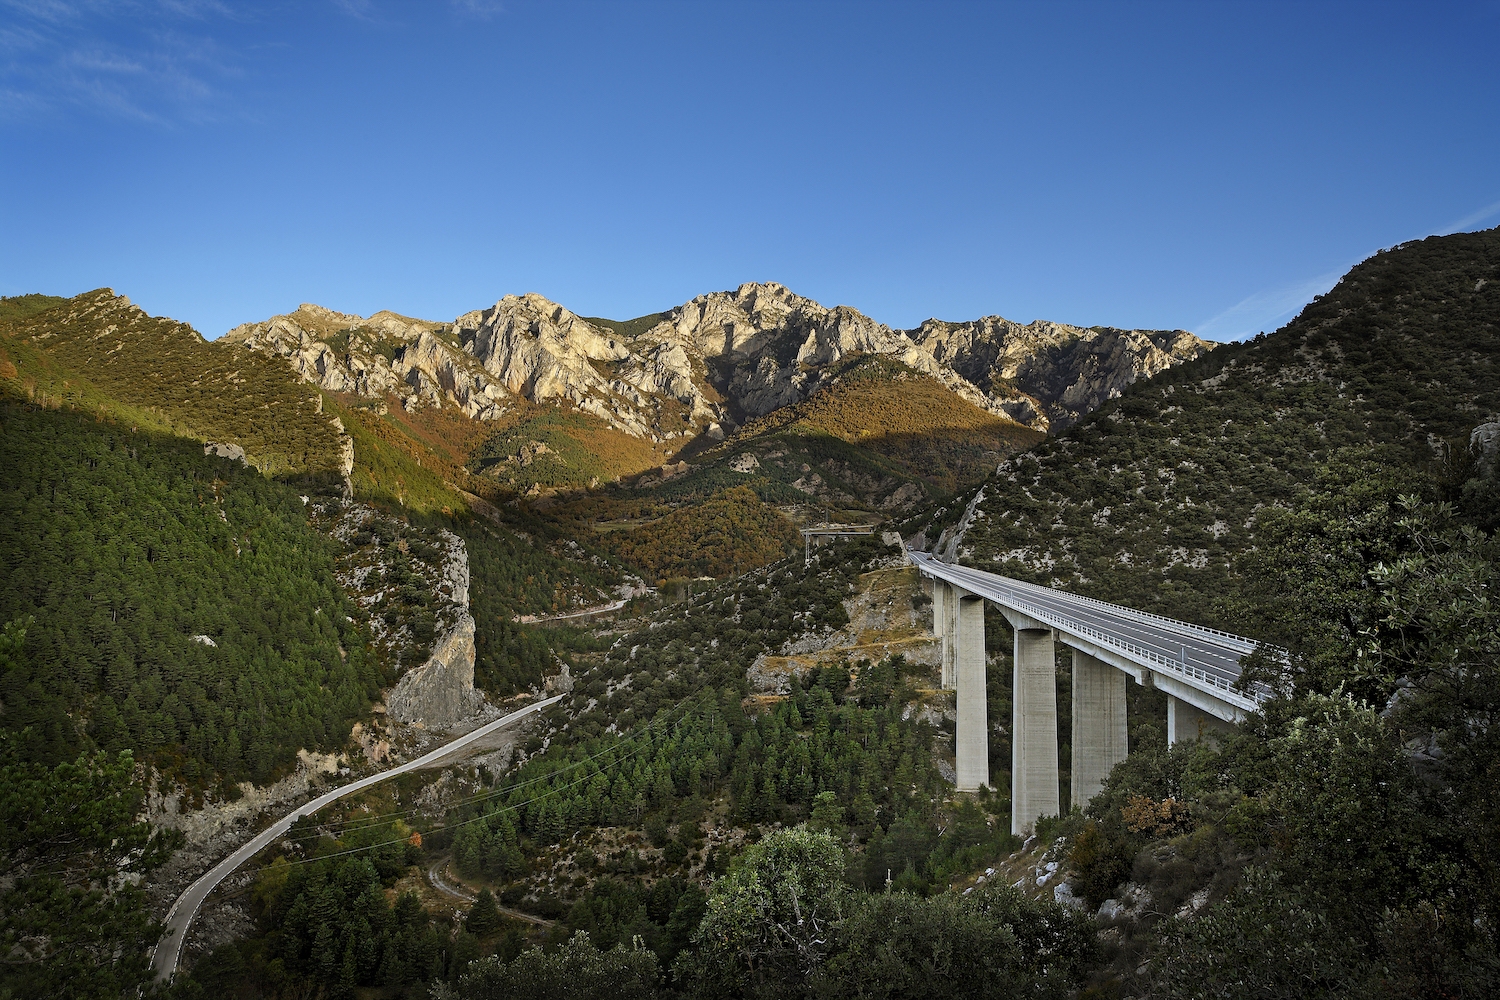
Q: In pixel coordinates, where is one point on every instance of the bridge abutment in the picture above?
(1100, 737)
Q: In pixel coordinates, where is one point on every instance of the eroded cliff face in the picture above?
(709, 364)
(414, 362)
(768, 347)
(440, 692)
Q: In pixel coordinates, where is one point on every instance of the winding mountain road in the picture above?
(180, 916)
(438, 875)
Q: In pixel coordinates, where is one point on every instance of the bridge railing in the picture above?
(1155, 658)
(1236, 640)
(1178, 664)
(1247, 643)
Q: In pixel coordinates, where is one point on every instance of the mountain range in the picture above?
(704, 367)
(305, 546)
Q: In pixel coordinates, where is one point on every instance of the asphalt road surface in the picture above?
(180, 916)
(1162, 641)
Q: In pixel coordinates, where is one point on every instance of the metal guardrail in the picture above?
(1237, 640)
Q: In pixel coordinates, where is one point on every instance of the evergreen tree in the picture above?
(483, 918)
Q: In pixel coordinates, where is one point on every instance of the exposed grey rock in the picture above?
(1067, 370)
(1485, 443)
(1063, 894)
(230, 451)
(721, 358)
(440, 693)
(559, 683)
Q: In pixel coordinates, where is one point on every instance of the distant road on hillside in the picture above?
(180, 916)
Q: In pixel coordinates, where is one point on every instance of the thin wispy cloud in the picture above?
(1265, 310)
(482, 9)
(1473, 219)
(1269, 309)
(128, 60)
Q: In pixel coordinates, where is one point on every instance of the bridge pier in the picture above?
(971, 741)
(1100, 736)
(945, 598)
(1033, 755)
(1188, 722)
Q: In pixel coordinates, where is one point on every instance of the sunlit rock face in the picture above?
(707, 365)
(1068, 370)
(440, 693)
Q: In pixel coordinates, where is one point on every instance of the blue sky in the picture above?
(1204, 166)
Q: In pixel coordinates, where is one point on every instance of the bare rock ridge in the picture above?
(708, 365)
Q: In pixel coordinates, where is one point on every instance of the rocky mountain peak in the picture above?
(713, 362)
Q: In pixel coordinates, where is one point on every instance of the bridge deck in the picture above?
(1203, 657)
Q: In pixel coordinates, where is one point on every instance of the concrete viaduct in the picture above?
(1195, 666)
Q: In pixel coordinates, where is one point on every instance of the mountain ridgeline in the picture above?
(636, 393)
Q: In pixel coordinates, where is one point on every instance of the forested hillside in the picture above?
(99, 353)
(178, 605)
(659, 774)
(1149, 500)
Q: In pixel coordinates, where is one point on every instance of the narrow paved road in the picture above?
(435, 877)
(180, 916)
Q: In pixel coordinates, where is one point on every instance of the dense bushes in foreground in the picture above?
(784, 923)
(1341, 844)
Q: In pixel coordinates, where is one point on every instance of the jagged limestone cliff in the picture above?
(708, 365)
(1068, 370)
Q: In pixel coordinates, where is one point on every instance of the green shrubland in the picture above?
(97, 353)
(1353, 815)
(1149, 500)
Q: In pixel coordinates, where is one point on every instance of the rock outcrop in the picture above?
(1068, 371)
(708, 365)
(385, 355)
(440, 693)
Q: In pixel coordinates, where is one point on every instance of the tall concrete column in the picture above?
(1188, 722)
(942, 627)
(972, 739)
(951, 603)
(1099, 734)
(1033, 770)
